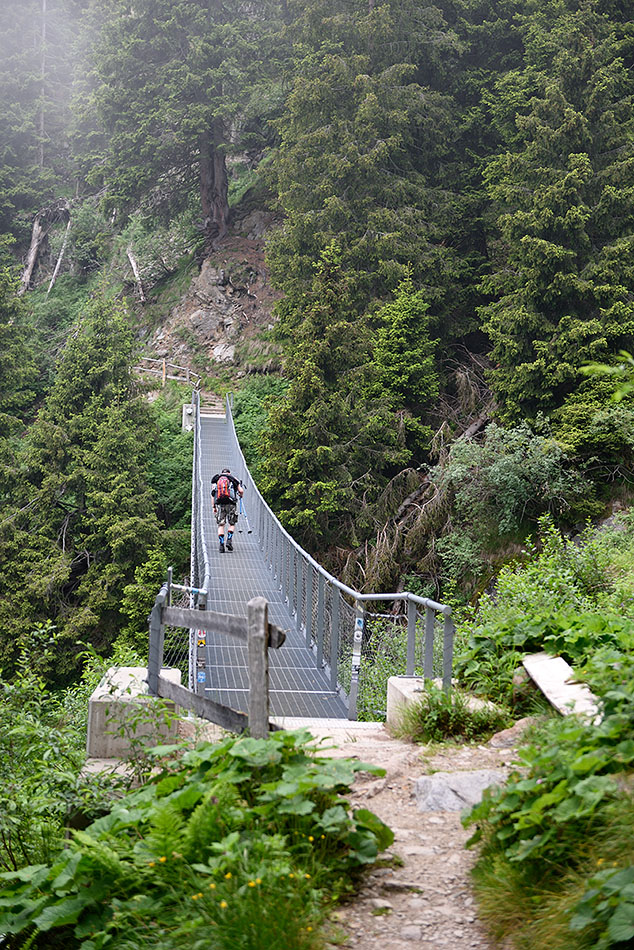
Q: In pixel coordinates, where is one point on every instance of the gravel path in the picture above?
(427, 903)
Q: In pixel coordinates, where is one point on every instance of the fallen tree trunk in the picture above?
(137, 275)
(41, 226)
(59, 259)
(38, 236)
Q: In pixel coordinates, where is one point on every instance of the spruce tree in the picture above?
(82, 519)
(175, 80)
(563, 259)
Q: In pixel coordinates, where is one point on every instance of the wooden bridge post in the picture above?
(258, 650)
(157, 634)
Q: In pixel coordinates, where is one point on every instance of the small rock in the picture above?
(415, 849)
(379, 903)
(395, 885)
(412, 932)
(224, 353)
(510, 737)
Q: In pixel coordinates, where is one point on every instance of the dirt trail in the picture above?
(427, 903)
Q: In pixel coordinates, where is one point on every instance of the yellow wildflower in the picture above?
(251, 883)
(212, 886)
(223, 904)
(310, 838)
(163, 860)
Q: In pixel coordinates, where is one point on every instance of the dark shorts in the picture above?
(226, 513)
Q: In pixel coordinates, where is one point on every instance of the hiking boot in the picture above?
(222, 548)
(229, 545)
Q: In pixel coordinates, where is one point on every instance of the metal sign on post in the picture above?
(359, 623)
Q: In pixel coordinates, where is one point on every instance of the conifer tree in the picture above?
(83, 518)
(563, 263)
(175, 77)
(332, 439)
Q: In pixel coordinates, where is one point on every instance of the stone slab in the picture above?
(453, 791)
(555, 678)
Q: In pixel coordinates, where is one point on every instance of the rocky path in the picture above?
(426, 903)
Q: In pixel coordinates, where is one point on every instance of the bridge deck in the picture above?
(297, 688)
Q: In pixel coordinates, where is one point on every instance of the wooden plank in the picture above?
(223, 716)
(554, 677)
(258, 668)
(226, 624)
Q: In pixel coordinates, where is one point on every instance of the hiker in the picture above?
(225, 489)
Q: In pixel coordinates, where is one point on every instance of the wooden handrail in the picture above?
(254, 630)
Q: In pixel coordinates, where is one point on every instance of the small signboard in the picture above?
(201, 676)
(202, 642)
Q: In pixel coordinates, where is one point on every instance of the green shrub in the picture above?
(246, 837)
(568, 597)
(446, 714)
(251, 412)
(551, 828)
(510, 477)
(496, 649)
(90, 235)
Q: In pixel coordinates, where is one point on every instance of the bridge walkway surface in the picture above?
(297, 687)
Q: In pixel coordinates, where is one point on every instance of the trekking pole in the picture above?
(243, 512)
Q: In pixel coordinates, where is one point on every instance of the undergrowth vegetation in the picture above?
(239, 844)
(449, 714)
(556, 846)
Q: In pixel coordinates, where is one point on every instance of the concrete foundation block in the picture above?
(122, 714)
(403, 691)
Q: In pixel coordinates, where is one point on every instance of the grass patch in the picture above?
(446, 714)
(241, 845)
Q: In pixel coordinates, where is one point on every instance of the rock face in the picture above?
(218, 318)
(453, 791)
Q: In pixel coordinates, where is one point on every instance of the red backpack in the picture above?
(224, 490)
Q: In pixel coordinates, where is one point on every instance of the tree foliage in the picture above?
(562, 189)
(84, 516)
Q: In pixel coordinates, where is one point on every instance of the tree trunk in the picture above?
(214, 186)
(42, 82)
(41, 226)
(38, 235)
(135, 271)
(59, 260)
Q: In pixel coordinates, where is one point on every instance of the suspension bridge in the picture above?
(328, 628)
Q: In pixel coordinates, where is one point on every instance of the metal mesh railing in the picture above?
(348, 641)
(180, 644)
(332, 616)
